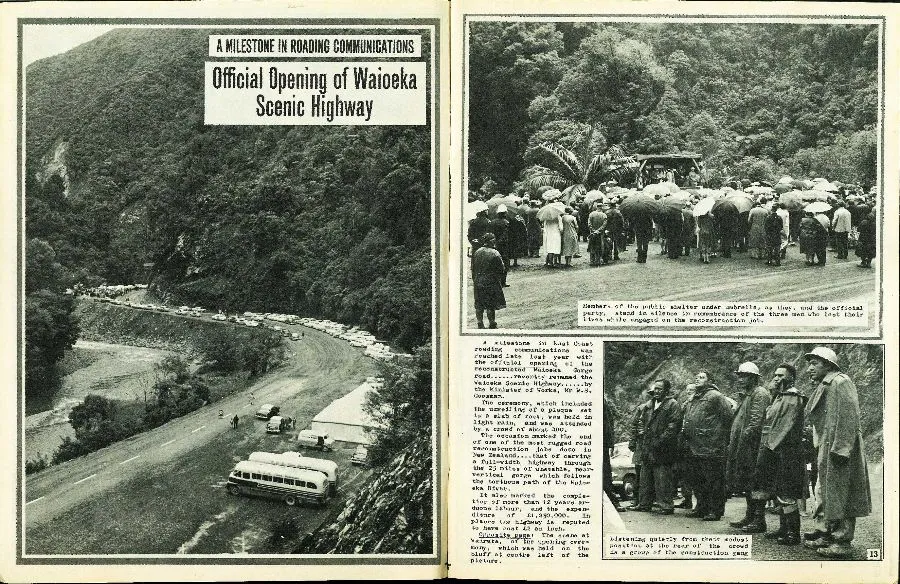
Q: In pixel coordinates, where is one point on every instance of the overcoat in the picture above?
(661, 435)
(707, 422)
(757, 220)
(867, 245)
(833, 412)
(487, 275)
(780, 466)
(638, 427)
(743, 445)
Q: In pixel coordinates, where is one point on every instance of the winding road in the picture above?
(162, 491)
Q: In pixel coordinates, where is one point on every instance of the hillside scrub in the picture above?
(122, 173)
(631, 367)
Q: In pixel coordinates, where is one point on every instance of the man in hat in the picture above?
(780, 467)
(597, 227)
(477, 228)
(488, 271)
(840, 225)
(500, 228)
(615, 225)
(773, 227)
(660, 448)
(843, 482)
(743, 444)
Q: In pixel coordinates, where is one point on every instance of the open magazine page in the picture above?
(673, 299)
(226, 221)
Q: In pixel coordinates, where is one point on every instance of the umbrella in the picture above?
(724, 207)
(663, 188)
(823, 219)
(715, 193)
(743, 203)
(813, 195)
(817, 207)
(551, 211)
(573, 192)
(704, 206)
(673, 202)
(551, 194)
(792, 201)
(592, 196)
(474, 208)
(639, 204)
(783, 188)
(785, 180)
(759, 190)
(824, 185)
(511, 202)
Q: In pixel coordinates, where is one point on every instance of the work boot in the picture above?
(792, 529)
(758, 522)
(747, 516)
(687, 503)
(782, 528)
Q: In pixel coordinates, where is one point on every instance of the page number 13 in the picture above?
(873, 554)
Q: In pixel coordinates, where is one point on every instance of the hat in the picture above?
(488, 237)
(825, 354)
(748, 367)
(501, 208)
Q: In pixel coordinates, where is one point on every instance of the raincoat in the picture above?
(743, 445)
(707, 422)
(833, 412)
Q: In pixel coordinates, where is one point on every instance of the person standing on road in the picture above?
(569, 235)
(636, 445)
(596, 226)
(488, 271)
(774, 228)
(840, 225)
(706, 236)
(659, 449)
(843, 481)
(533, 224)
(780, 471)
(500, 229)
(553, 229)
(615, 225)
(813, 236)
(707, 421)
(867, 244)
(746, 430)
(756, 220)
(643, 231)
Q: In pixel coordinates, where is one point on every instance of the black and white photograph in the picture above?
(229, 304)
(670, 160)
(780, 442)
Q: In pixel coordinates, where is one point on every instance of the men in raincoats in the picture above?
(756, 220)
(615, 225)
(659, 449)
(488, 272)
(843, 482)
(840, 225)
(500, 229)
(780, 468)
(746, 430)
(773, 226)
(705, 431)
(636, 445)
(596, 222)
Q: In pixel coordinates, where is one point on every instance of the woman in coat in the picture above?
(757, 239)
(868, 240)
(553, 240)
(706, 236)
(569, 235)
(812, 233)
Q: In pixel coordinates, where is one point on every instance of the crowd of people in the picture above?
(774, 446)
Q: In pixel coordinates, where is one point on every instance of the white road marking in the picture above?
(245, 407)
(33, 500)
(130, 459)
(169, 442)
(198, 429)
(84, 479)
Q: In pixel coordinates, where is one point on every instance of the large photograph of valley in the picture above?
(227, 330)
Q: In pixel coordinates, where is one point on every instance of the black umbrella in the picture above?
(639, 204)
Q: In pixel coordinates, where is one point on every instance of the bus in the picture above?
(296, 460)
(289, 484)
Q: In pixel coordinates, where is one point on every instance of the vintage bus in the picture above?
(289, 484)
(296, 460)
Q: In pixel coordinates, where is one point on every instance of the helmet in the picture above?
(501, 208)
(748, 367)
(826, 354)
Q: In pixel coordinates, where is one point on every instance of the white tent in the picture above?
(344, 418)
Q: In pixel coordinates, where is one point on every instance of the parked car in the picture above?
(360, 456)
(277, 424)
(266, 411)
(624, 476)
(313, 439)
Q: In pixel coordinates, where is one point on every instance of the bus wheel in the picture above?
(290, 500)
(234, 489)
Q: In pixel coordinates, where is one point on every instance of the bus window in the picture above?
(266, 478)
(245, 475)
(278, 479)
(255, 476)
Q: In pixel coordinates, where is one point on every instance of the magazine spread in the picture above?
(453, 289)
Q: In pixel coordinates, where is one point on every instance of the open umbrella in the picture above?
(725, 207)
(704, 206)
(592, 196)
(826, 186)
(572, 193)
(792, 201)
(783, 188)
(813, 195)
(759, 190)
(551, 211)
(551, 194)
(818, 207)
(639, 204)
(786, 179)
(743, 203)
(474, 208)
(663, 188)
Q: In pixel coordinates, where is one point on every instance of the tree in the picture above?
(578, 174)
(613, 82)
(401, 408)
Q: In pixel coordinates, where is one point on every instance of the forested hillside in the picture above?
(127, 185)
(756, 100)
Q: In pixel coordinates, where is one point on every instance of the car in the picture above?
(219, 316)
(277, 424)
(360, 456)
(314, 439)
(266, 411)
(624, 477)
